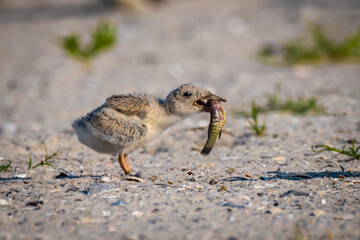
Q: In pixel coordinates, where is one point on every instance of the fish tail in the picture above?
(213, 135)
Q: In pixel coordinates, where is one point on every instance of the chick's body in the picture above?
(109, 129)
(125, 122)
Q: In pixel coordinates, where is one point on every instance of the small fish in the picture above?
(217, 122)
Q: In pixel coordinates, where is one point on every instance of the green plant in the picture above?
(319, 48)
(351, 151)
(300, 106)
(103, 38)
(44, 162)
(254, 125)
(5, 167)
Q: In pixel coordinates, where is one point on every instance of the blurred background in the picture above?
(160, 45)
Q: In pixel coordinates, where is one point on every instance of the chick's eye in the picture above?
(187, 94)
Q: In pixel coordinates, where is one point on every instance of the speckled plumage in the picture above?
(116, 125)
(124, 122)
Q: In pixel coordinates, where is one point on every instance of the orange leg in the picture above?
(123, 160)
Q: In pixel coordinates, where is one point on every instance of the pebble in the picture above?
(343, 217)
(269, 185)
(275, 210)
(4, 202)
(279, 159)
(199, 187)
(213, 182)
(23, 175)
(105, 180)
(319, 212)
(80, 209)
(135, 179)
(222, 188)
(34, 203)
(321, 192)
(230, 171)
(63, 175)
(184, 187)
(294, 193)
(232, 205)
(137, 214)
(192, 179)
(106, 213)
(341, 176)
(244, 197)
(119, 203)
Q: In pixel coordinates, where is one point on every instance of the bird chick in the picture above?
(125, 122)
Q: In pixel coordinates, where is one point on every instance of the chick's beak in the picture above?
(214, 97)
(202, 103)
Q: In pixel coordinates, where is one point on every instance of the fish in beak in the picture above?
(203, 102)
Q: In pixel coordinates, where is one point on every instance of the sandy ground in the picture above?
(270, 187)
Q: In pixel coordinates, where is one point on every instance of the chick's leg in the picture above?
(123, 160)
